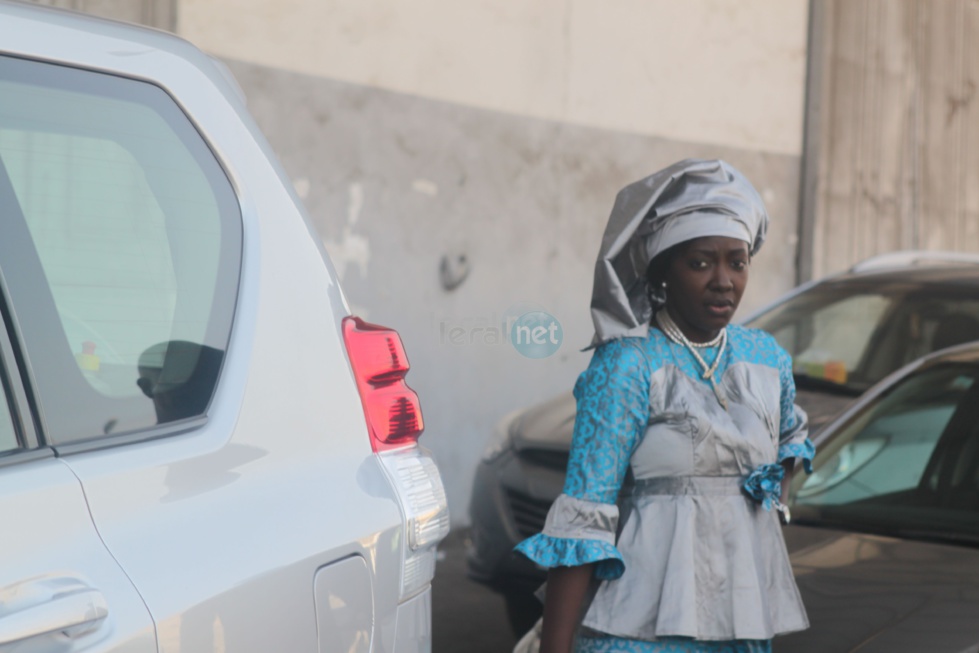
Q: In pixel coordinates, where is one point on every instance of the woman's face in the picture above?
(704, 284)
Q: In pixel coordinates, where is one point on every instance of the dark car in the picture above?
(885, 532)
(845, 333)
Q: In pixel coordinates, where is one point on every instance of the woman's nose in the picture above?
(721, 279)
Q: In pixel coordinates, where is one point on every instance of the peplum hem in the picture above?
(550, 552)
(704, 566)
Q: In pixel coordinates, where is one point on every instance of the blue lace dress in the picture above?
(686, 559)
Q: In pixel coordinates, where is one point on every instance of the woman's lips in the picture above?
(721, 309)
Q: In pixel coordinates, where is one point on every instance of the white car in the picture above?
(200, 449)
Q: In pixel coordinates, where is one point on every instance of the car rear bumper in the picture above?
(413, 634)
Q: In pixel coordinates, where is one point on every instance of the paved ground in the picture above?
(466, 617)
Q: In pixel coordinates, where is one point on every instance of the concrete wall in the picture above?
(494, 135)
(707, 71)
(895, 148)
(499, 132)
(395, 182)
(161, 14)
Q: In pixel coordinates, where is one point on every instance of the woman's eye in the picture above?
(698, 264)
(740, 265)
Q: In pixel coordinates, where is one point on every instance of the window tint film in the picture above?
(909, 462)
(123, 249)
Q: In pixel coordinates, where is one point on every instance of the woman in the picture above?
(667, 535)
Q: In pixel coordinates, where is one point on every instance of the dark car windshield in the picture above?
(907, 465)
(847, 336)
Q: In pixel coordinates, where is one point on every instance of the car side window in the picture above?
(121, 253)
(887, 449)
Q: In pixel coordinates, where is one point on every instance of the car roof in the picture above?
(947, 274)
(964, 353)
(944, 278)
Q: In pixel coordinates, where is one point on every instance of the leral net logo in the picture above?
(535, 334)
(528, 328)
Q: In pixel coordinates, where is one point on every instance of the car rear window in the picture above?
(121, 251)
(852, 335)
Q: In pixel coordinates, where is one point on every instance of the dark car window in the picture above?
(853, 335)
(121, 250)
(908, 463)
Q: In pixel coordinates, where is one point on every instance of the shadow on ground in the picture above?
(466, 616)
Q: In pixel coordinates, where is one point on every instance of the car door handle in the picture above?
(74, 610)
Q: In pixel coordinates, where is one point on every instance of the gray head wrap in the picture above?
(690, 199)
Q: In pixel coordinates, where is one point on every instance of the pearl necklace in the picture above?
(699, 345)
(673, 332)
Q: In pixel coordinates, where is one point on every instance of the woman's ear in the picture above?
(656, 271)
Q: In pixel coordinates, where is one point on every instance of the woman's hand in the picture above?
(789, 466)
(566, 589)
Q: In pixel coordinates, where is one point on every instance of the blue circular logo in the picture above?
(536, 334)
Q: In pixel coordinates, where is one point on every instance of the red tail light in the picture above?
(394, 416)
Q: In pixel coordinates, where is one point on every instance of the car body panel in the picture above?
(344, 601)
(414, 630)
(547, 425)
(44, 517)
(877, 594)
(821, 407)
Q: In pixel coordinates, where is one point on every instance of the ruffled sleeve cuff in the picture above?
(578, 532)
(804, 451)
(549, 552)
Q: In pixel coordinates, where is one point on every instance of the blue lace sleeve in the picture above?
(794, 439)
(613, 409)
(611, 417)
